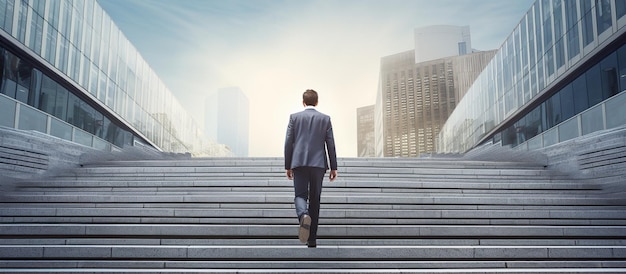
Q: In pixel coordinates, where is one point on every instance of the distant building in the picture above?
(365, 131)
(415, 99)
(434, 42)
(227, 119)
(418, 89)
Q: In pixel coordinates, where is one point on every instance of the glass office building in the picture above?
(68, 71)
(560, 74)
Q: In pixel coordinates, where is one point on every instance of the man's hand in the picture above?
(289, 174)
(333, 175)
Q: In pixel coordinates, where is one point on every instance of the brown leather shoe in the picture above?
(305, 228)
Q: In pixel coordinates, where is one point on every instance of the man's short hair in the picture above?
(309, 97)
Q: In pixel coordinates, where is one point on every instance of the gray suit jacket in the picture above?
(309, 137)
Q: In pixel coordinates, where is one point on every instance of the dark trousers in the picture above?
(307, 183)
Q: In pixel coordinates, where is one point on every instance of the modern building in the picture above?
(68, 71)
(415, 98)
(365, 131)
(434, 42)
(559, 75)
(227, 119)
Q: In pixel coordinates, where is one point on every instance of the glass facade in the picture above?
(67, 60)
(564, 58)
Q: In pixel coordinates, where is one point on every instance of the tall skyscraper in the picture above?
(415, 98)
(227, 119)
(434, 42)
(365, 131)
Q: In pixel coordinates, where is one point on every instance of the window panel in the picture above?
(567, 102)
(54, 8)
(594, 85)
(571, 22)
(39, 6)
(6, 10)
(73, 110)
(102, 90)
(538, 32)
(21, 21)
(98, 124)
(60, 107)
(24, 72)
(533, 123)
(87, 117)
(9, 77)
(620, 8)
(66, 17)
(549, 62)
(603, 15)
(557, 14)
(579, 90)
(35, 90)
(621, 59)
(48, 95)
(610, 83)
(553, 111)
(50, 45)
(547, 24)
(587, 21)
(36, 33)
(110, 99)
(531, 38)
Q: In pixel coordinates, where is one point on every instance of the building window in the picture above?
(603, 15)
(553, 111)
(587, 23)
(621, 59)
(608, 66)
(567, 102)
(594, 85)
(579, 89)
(620, 8)
(573, 39)
(9, 76)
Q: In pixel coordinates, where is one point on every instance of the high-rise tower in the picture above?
(227, 119)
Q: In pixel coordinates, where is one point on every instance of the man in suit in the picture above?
(309, 139)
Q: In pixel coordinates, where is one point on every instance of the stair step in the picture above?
(343, 231)
(332, 253)
(293, 241)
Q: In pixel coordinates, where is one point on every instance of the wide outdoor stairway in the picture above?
(427, 215)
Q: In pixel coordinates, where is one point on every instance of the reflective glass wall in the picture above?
(531, 84)
(76, 40)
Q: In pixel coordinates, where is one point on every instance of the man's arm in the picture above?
(332, 154)
(288, 151)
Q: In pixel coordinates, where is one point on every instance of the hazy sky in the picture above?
(276, 49)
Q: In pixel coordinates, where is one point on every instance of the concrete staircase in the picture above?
(434, 215)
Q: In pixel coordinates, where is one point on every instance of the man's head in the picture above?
(309, 97)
